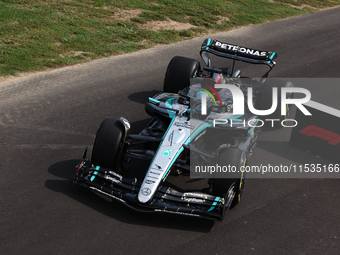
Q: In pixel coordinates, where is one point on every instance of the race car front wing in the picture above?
(113, 186)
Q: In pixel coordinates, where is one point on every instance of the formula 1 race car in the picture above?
(181, 136)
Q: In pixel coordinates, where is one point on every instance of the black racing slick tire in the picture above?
(179, 72)
(107, 144)
(264, 100)
(237, 160)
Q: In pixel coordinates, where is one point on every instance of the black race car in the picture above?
(184, 134)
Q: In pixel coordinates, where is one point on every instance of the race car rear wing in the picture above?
(237, 53)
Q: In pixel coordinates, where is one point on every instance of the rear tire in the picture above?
(235, 158)
(179, 72)
(264, 101)
(107, 144)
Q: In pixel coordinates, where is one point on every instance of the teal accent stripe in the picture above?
(93, 176)
(197, 132)
(168, 104)
(252, 127)
(95, 173)
(154, 100)
(173, 160)
(214, 204)
(209, 41)
(235, 118)
(271, 57)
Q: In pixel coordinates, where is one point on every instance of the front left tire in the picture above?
(107, 144)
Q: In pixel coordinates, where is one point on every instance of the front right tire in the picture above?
(179, 72)
(236, 158)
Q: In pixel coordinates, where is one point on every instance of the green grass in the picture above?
(40, 34)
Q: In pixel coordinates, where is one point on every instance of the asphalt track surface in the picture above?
(46, 120)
